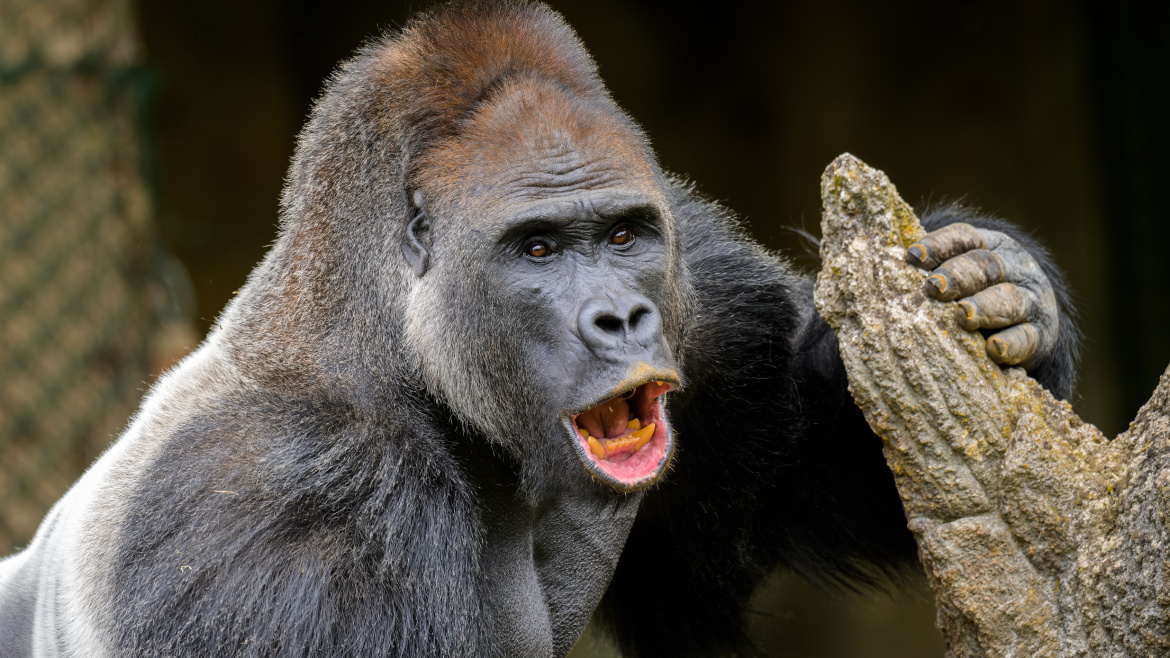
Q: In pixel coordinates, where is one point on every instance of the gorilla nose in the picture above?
(615, 322)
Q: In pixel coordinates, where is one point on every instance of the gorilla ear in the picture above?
(416, 242)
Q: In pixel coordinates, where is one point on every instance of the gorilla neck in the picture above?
(546, 563)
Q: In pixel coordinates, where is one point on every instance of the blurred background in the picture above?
(143, 147)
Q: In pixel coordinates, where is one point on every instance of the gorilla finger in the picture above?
(943, 244)
(1001, 305)
(965, 274)
(1013, 345)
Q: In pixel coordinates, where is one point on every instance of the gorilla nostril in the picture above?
(614, 323)
(610, 324)
(637, 315)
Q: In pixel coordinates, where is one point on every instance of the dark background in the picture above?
(1053, 115)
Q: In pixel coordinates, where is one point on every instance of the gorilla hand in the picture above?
(999, 285)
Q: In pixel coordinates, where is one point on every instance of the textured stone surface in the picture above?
(1039, 536)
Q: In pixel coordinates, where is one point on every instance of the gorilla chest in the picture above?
(545, 568)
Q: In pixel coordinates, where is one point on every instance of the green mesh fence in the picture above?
(77, 314)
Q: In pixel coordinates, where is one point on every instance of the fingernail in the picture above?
(918, 252)
(967, 314)
(938, 282)
(999, 347)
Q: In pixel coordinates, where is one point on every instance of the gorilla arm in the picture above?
(775, 465)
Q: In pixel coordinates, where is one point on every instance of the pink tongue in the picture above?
(614, 416)
(606, 421)
(592, 424)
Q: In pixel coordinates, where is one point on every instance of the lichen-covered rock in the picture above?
(1039, 536)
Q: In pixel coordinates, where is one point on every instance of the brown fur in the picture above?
(438, 70)
(530, 119)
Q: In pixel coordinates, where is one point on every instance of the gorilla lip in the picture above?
(625, 441)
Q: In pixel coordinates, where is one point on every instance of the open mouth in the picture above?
(625, 441)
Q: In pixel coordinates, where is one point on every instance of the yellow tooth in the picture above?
(596, 448)
(584, 432)
(642, 436)
(634, 424)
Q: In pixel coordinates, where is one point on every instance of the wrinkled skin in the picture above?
(999, 287)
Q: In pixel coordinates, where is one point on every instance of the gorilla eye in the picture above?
(538, 249)
(621, 236)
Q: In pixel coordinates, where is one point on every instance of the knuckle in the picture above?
(948, 242)
(973, 271)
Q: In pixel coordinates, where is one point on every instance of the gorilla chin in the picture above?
(625, 440)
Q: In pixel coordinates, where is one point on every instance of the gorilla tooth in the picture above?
(634, 424)
(642, 436)
(637, 439)
(596, 447)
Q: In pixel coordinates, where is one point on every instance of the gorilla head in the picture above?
(544, 262)
(536, 279)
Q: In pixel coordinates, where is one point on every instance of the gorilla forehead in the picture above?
(532, 140)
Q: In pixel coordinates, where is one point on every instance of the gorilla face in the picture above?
(552, 253)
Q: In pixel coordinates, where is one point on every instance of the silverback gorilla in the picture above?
(498, 371)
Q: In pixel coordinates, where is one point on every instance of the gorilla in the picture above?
(499, 371)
